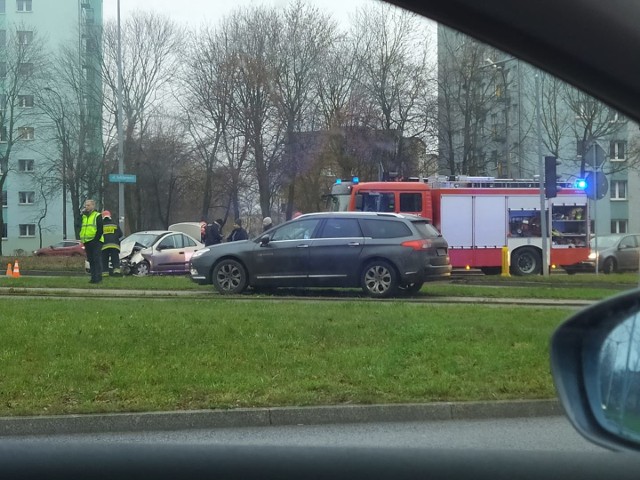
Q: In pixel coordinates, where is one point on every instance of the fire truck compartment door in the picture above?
(474, 221)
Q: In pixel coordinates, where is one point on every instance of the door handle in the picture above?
(303, 245)
(354, 244)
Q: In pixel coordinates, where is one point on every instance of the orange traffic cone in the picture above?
(16, 270)
(9, 270)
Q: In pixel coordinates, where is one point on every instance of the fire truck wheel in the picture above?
(526, 261)
(379, 279)
(229, 277)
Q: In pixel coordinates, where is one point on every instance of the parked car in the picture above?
(615, 253)
(156, 251)
(66, 248)
(379, 252)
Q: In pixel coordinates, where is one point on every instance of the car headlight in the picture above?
(593, 256)
(197, 253)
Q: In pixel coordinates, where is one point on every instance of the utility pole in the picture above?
(121, 209)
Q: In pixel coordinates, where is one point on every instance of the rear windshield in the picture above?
(426, 230)
(384, 228)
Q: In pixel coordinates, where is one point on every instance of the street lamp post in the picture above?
(121, 209)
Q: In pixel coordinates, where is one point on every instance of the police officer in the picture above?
(111, 245)
(91, 237)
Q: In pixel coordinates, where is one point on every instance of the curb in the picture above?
(277, 416)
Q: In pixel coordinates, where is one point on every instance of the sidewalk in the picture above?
(276, 416)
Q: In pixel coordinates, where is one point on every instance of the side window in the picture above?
(188, 242)
(340, 228)
(410, 202)
(378, 202)
(628, 242)
(168, 242)
(375, 228)
(298, 230)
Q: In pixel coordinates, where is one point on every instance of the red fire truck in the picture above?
(480, 215)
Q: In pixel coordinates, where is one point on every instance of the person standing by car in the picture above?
(213, 233)
(111, 246)
(267, 223)
(238, 233)
(91, 237)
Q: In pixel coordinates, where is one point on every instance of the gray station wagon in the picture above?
(379, 252)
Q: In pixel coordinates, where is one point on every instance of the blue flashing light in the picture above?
(581, 184)
(355, 180)
(339, 181)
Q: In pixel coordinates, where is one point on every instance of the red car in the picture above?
(66, 248)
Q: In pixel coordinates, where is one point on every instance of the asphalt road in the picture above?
(541, 433)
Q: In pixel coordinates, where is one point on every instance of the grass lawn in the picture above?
(93, 355)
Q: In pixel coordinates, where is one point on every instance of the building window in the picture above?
(27, 230)
(3, 134)
(25, 69)
(26, 133)
(619, 226)
(26, 165)
(616, 151)
(3, 8)
(26, 198)
(4, 198)
(618, 189)
(24, 5)
(4, 230)
(25, 37)
(25, 100)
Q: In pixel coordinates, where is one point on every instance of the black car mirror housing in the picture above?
(595, 362)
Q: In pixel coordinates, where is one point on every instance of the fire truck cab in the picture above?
(478, 216)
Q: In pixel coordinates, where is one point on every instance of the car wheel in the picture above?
(229, 277)
(526, 261)
(141, 269)
(609, 265)
(412, 288)
(379, 279)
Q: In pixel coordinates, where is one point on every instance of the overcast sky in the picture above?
(196, 12)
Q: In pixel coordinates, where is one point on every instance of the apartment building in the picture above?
(36, 116)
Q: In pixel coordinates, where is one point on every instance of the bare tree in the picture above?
(75, 128)
(151, 46)
(466, 94)
(303, 43)
(23, 69)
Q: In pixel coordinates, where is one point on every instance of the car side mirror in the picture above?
(595, 361)
(264, 240)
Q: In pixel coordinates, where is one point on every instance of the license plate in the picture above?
(442, 252)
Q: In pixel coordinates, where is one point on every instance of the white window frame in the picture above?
(26, 198)
(615, 147)
(23, 103)
(616, 224)
(27, 229)
(25, 162)
(24, 6)
(26, 133)
(615, 190)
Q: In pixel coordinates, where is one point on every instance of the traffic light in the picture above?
(550, 177)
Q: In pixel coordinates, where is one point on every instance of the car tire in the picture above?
(142, 269)
(526, 261)
(379, 279)
(229, 277)
(609, 265)
(411, 288)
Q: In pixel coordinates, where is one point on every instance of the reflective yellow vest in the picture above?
(89, 227)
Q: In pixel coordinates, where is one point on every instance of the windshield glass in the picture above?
(606, 242)
(144, 239)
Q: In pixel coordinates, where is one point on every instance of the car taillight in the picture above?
(417, 244)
